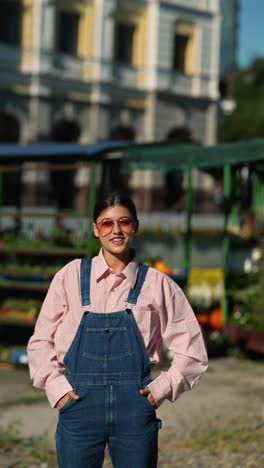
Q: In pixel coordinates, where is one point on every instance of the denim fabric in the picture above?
(86, 265)
(107, 364)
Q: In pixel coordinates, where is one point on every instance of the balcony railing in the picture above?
(102, 70)
(125, 75)
(70, 66)
(187, 85)
(180, 83)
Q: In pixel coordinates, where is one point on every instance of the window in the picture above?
(184, 47)
(10, 22)
(68, 25)
(180, 52)
(124, 37)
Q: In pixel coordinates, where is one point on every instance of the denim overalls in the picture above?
(107, 364)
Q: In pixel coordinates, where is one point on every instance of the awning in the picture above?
(56, 152)
(171, 156)
(155, 156)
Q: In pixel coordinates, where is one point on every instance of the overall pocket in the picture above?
(67, 405)
(106, 343)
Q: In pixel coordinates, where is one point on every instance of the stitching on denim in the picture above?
(108, 357)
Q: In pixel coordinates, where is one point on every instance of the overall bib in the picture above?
(107, 364)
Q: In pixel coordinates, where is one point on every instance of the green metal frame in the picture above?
(170, 157)
(226, 237)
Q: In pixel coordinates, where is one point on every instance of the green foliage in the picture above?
(254, 304)
(247, 121)
(25, 305)
(250, 313)
(32, 450)
(60, 236)
(238, 436)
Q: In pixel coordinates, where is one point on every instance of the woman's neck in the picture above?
(117, 263)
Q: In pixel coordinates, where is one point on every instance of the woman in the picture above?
(102, 324)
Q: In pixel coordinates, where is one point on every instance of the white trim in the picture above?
(97, 39)
(215, 57)
(196, 83)
(36, 21)
(152, 39)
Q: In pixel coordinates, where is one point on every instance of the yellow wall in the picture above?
(27, 31)
(86, 31)
(85, 46)
(86, 24)
(139, 45)
(86, 38)
(129, 14)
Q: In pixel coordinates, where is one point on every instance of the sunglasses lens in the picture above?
(126, 224)
(106, 226)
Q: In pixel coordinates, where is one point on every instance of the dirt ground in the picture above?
(220, 423)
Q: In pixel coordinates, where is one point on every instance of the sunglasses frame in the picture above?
(118, 222)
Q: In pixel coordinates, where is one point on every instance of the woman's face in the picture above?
(115, 227)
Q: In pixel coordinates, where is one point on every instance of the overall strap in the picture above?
(134, 292)
(86, 264)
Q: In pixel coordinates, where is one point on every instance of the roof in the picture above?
(56, 152)
(166, 156)
(171, 156)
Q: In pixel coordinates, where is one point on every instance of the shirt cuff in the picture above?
(160, 389)
(57, 388)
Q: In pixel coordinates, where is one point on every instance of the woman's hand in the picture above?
(61, 402)
(146, 392)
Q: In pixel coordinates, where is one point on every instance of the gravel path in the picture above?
(220, 423)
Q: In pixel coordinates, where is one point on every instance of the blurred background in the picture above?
(175, 72)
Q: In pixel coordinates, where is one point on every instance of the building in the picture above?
(77, 70)
(230, 10)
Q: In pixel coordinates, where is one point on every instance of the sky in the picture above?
(251, 34)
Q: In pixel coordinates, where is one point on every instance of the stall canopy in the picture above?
(172, 156)
(56, 152)
(156, 156)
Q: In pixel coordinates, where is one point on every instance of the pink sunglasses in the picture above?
(125, 223)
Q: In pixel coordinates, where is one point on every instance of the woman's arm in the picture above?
(182, 335)
(45, 370)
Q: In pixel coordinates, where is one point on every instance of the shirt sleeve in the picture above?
(182, 335)
(45, 370)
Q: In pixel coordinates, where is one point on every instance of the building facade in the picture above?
(77, 70)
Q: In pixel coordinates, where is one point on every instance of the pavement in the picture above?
(227, 404)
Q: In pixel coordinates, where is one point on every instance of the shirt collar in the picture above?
(102, 268)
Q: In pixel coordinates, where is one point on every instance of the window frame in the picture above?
(13, 19)
(72, 50)
(127, 58)
(184, 36)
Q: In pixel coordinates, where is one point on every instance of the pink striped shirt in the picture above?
(162, 313)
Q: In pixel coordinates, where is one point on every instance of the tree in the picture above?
(247, 121)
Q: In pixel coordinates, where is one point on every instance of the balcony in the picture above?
(70, 66)
(182, 84)
(125, 76)
(195, 85)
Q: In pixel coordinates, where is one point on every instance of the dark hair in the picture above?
(113, 199)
